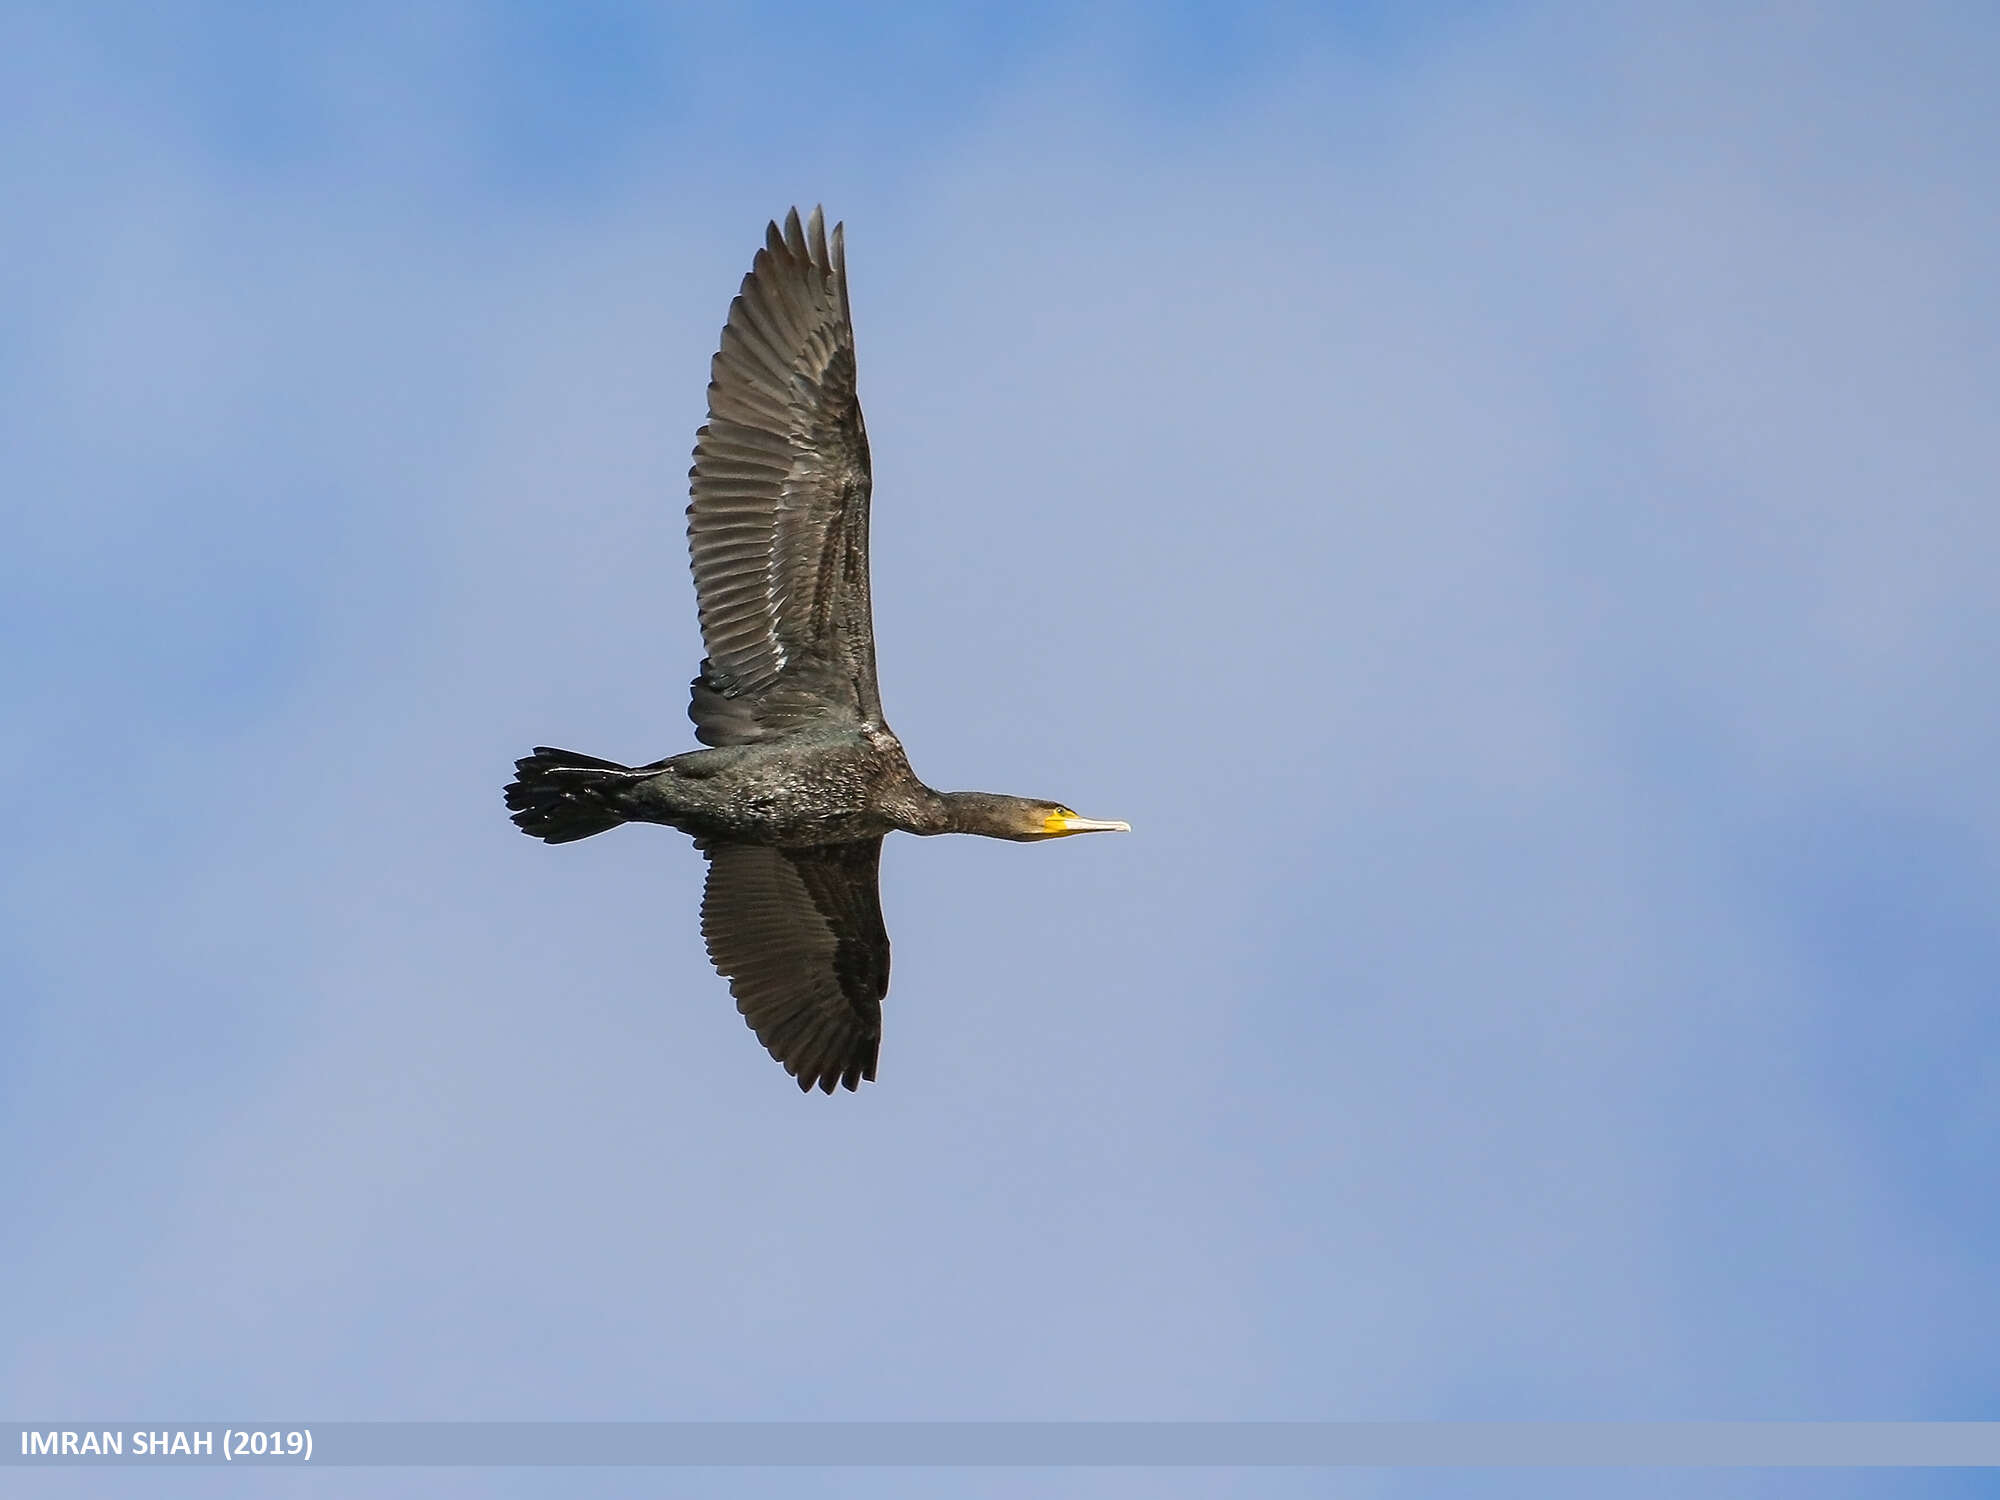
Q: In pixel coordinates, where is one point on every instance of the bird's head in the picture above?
(1023, 819)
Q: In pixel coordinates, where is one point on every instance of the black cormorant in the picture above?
(803, 777)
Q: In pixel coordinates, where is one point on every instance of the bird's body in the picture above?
(803, 777)
(815, 786)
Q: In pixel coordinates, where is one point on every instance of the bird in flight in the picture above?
(802, 777)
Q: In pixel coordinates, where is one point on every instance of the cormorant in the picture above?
(803, 776)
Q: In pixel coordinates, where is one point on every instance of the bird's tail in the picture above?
(559, 796)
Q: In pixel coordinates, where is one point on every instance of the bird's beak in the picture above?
(1072, 824)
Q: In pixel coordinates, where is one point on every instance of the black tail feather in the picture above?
(559, 796)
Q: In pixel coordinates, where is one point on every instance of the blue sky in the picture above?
(1501, 497)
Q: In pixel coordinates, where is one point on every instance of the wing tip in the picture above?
(827, 1077)
(824, 1068)
(807, 240)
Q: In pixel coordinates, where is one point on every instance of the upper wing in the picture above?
(799, 934)
(778, 526)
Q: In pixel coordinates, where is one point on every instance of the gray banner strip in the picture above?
(1013, 1444)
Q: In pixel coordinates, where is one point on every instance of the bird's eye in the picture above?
(1064, 812)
